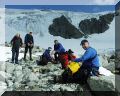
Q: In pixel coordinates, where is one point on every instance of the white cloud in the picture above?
(104, 2)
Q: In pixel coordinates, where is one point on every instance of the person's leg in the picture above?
(56, 56)
(62, 61)
(67, 76)
(13, 55)
(16, 56)
(83, 74)
(44, 60)
(95, 71)
(30, 52)
(26, 50)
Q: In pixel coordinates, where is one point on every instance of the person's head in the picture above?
(70, 51)
(17, 35)
(49, 48)
(56, 41)
(30, 33)
(84, 44)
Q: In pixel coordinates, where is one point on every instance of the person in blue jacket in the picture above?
(59, 49)
(46, 57)
(90, 59)
(29, 43)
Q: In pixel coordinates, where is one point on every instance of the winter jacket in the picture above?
(16, 42)
(90, 58)
(72, 57)
(46, 54)
(65, 58)
(29, 39)
(59, 48)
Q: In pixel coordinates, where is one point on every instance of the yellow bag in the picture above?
(74, 66)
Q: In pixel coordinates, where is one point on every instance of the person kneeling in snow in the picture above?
(46, 57)
(16, 43)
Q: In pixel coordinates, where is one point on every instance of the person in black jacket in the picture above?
(29, 43)
(16, 43)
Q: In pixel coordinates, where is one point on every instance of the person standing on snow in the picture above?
(16, 43)
(90, 61)
(29, 44)
(59, 49)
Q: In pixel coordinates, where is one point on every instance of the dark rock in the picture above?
(93, 25)
(112, 57)
(62, 27)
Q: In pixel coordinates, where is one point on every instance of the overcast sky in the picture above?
(58, 2)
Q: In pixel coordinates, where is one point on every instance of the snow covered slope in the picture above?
(38, 21)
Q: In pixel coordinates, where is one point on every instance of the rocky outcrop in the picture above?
(107, 62)
(94, 25)
(30, 77)
(103, 85)
(27, 76)
(62, 27)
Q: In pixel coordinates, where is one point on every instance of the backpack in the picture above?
(74, 67)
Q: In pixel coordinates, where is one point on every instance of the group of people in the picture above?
(90, 60)
(17, 42)
(60, 55)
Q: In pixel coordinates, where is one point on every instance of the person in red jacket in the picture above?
(71, 55)
(66, 57)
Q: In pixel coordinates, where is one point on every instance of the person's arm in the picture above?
(78, 60)
(49, 56)
(85, 57)
(25, 40)
(32, 40)
(11, 42)
(21, 43)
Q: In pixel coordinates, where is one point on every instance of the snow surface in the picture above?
(6, 54)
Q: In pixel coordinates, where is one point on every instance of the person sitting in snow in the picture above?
(90, 58)
(90, 61)
(90, 66)
(16, 43)
(66, 57)
(46, 57)
(59, 49)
